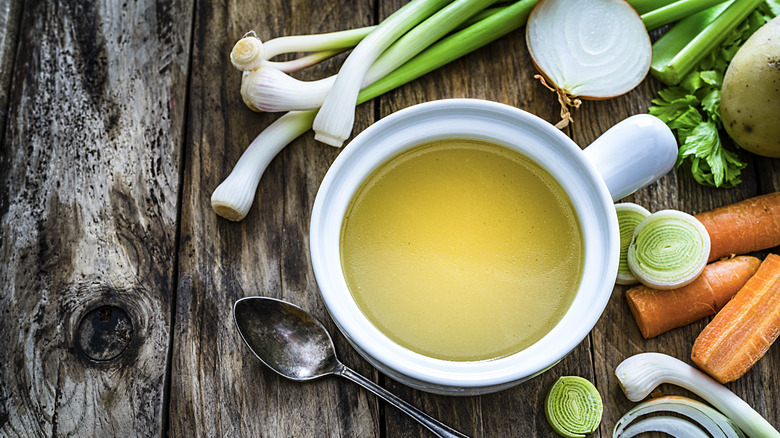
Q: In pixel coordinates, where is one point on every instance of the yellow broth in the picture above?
(462, 250)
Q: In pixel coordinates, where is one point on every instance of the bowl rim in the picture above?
(378, 348)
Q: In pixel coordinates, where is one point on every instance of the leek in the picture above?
(268, 89)
(716, 424)
(629, 216)
(640, 374)
(668, 250)
(233, 198)
(334, 123)
(573, 407)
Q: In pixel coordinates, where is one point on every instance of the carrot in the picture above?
(743, 330)
(743, 227)
(658, 311)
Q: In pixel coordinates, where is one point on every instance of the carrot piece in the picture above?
(743, 330)
(743, 227)
(658, 311)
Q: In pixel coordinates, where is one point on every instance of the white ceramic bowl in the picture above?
(631, 155)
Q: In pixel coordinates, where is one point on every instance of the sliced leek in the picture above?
(710, 420)
(629, 216)
(573, 407)
(669, 249)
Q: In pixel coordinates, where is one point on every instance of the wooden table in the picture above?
(118, 121)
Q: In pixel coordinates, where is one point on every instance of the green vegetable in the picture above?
(573, 407)
(642, 373)
(692, 108)
(669, 250)
(664, 15)
(629, 216)
(233, 198)
(716, 424)
(645, 6)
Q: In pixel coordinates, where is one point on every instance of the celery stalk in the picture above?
(675, 11)
(645, 6)
(453, 47)
(681, 49)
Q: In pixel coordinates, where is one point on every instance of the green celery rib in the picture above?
(453, 47)
(645, 6)
(681, 49)
(675, 11)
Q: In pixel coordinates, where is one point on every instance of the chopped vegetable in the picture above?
(749, 225)
(629, 216)
(744, 329)
(669, 250)
(750, 102)
(590, 49)
(573, 407)
(640, 374)
(692, 108)
(333, 124)
(233, 198)
(658, 311)
(710, 420)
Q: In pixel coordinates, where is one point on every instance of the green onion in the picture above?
(675, 11)
(573, 407)
(334, 123)
(629, 216)
(268, 89)
(642, 373)
(233, 198)
(681, 49)
(669, 250)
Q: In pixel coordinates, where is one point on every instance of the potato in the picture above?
(750, 101)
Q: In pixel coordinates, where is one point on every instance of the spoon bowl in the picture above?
(297, 346)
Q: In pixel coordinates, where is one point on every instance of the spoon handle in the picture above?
(426, 420)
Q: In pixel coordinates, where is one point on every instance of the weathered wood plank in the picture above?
(265, 254)
(90, 180)
(10, 12)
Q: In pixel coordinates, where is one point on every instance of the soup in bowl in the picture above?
(464, 246)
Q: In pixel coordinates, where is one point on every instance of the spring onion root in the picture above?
(629, 216)
(640, 374)
(590, 49)
(573, 407)
(669, 250)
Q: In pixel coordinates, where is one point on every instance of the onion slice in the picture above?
(710, 420)
(591, 49)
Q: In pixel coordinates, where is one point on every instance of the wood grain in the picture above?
(265, 254)
(89, 205)
(10, 12)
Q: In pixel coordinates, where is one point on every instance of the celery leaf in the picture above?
(711, 164)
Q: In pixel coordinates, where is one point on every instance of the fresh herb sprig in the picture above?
(692, 108)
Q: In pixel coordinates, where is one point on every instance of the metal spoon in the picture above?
(297, 346)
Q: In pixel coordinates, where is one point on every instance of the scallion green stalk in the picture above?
(233, 198)
(268, 89)
(644, 6)
(675, 11)
(334, 122)
(681, 49)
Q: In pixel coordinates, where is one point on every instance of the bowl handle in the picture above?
(634, 153)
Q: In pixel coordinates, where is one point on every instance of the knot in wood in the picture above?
(104, 333)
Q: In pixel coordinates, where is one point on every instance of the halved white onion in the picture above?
(593, 49)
